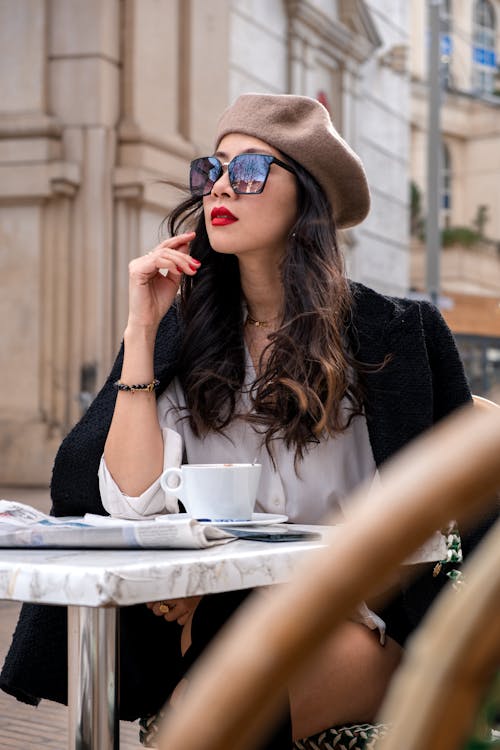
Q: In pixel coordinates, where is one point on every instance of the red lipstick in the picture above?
(221, 216)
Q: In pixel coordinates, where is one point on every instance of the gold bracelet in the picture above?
(148, 387)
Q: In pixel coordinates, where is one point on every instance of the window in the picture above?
(483, 47)
(446, 174)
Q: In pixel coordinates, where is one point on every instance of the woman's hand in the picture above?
(134, 446)
(150, 291)
(179, 610)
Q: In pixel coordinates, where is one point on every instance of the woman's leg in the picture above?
(345, 682)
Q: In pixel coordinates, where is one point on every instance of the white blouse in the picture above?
(328, 473)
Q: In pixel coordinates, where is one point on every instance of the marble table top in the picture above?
(99, 578)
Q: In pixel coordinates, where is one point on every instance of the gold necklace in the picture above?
(259, 323)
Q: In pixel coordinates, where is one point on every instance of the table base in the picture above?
(93, 680)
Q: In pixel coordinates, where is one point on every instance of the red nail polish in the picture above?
(193, 260)
(179, 270)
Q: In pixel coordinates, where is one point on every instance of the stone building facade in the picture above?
(470, 142)
(101, 102)
(470, 175)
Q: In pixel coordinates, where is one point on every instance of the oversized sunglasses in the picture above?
(247, 173)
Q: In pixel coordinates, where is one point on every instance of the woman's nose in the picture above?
(222, 186)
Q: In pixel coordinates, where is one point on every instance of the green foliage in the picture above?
(487, 719)
(481, 219)
(417, 222)
(460, 235)
(464, 236)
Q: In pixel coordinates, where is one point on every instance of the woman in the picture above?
(269, 351)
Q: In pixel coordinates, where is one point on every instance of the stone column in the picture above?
(175, 84)
(84, 86)
(58, 113)
(101, 102)
(37, 184)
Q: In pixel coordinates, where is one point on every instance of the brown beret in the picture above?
(301, 127)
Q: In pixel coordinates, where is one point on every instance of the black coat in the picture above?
(422, 382)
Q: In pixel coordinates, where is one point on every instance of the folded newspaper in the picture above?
(24, 526)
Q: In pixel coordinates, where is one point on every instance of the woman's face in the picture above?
(248, 224)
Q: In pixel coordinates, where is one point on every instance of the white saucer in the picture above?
(260, 519)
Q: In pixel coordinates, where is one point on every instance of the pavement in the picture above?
(23, 726)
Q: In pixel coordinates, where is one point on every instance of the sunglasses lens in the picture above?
(248, 172)
(203, 174)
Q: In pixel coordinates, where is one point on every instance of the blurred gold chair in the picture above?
(450, 663)
(452, 659)
(236, 688)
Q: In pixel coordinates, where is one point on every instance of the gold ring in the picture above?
(164, 608)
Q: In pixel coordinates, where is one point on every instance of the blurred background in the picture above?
(102, 100)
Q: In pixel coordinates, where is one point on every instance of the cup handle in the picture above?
(173, 472)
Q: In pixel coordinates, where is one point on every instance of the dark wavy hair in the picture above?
(307, 370)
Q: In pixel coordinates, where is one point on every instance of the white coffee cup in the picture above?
(217, 492)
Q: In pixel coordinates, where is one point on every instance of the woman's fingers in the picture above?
(154, 280)
(164, 608)
(175, 261)
(179, 610)
(179, 241)
(171, 257)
